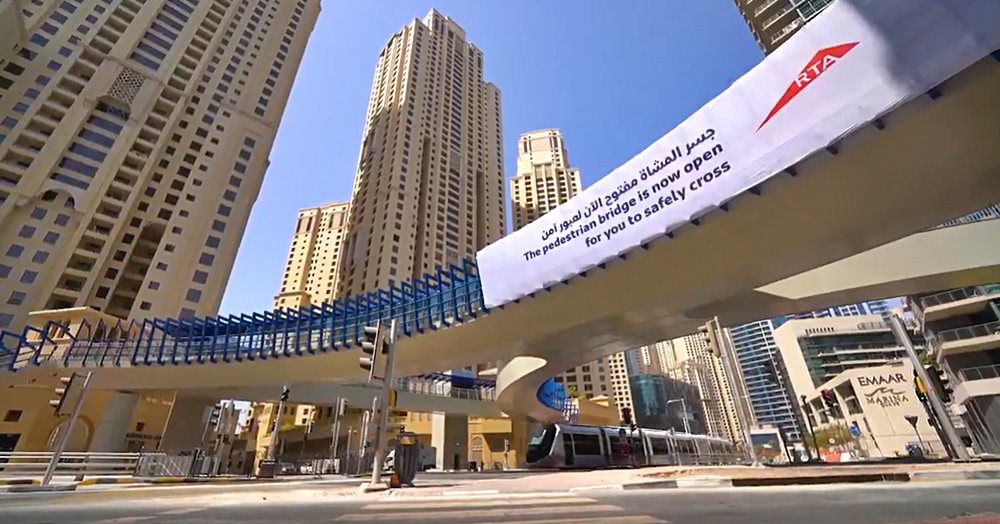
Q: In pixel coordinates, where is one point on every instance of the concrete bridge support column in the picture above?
(450, 437)
(522, 428)
(113, 424)
(186, 424)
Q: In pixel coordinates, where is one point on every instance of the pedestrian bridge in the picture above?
(878, 174)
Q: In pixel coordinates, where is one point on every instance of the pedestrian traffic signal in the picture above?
(941, 382)
(627, 416)
(708, 335)
(284, 393)
(829, 399)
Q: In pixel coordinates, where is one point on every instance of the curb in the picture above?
(725, 482)
(935, 476)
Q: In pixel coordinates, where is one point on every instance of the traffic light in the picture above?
(213, 416)
(627, 417)
(919, 387)
(67, 392)
(941, 382)
(371, 339)
(284, 393)
(708, 334)
(828, 398)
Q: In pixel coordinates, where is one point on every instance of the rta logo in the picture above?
(821, 61)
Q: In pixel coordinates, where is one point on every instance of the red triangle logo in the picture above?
(819, 64)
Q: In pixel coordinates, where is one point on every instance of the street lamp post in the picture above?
(684, 413)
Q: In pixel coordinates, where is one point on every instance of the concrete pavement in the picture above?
(856, 504)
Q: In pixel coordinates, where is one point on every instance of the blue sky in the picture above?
(612, 75)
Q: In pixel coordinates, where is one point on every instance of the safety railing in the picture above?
(26, 464)
(955, 295)
(444, 389)
(969, 332)
(450, 296)
(980, 372)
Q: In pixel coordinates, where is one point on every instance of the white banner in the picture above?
(855, 62)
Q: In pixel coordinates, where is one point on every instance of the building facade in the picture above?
(773, 22)
(135, 140)
(665, 403)
(963, 330)
(815, 351)
(429, 188)
(544, 179)
(689, 360)
(764, 372)
(869, 414)
(311, 271)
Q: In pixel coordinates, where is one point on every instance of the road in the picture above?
(857, 504)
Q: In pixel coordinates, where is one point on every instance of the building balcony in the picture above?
(958, 302)
(980, 337)
(980, 381)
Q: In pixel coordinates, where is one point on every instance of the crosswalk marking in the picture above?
(180, 511)
(479, 503)
(540, 508)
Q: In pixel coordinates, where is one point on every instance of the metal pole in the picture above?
(736, 386)
(812, 434)
(684, 411)
(347, 456)
(903, 337)
(336, 432)
(274, 430)
(64, 438)
(383, 414)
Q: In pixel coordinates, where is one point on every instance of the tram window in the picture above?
(686, 446)
(659, 445)
(587, 444)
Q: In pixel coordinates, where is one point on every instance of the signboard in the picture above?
(856, 61)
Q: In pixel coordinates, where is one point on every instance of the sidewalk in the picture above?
(25, 485)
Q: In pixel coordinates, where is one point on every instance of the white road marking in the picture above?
(180, 511)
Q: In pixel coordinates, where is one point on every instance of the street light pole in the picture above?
(733, 377)
(903, 337)
(684, 413)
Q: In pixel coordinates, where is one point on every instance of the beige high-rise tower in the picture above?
(135, 138)
(690, 360)
(544, 179)
(311, 275)
(429, 186)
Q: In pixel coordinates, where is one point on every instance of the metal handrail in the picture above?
(980, 372)
(968, 332)
(955, 295)
(31, 462)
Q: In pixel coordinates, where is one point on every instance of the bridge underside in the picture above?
(932, 161)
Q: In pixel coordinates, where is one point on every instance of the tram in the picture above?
(568, 446)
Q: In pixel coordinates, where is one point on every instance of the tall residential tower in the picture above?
(429, 186)
(773, 22)
(135, 137)
(544, 179)
(310, 275)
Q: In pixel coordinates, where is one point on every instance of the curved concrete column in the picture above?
(110, 430)
(517, 389)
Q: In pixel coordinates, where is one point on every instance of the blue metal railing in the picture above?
(448, 296)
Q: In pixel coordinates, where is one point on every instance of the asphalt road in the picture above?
(854, 504)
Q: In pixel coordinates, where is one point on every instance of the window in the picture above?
(5, 271)
(28, 277)
(16, 298)
(62, 220)
(6, 319)
(26, 232)
(200, 277)
(212, 242)
(12, 415)
(51, 238)
(206, 259)
(15, 250)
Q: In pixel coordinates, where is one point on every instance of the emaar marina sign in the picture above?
(853, 63)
